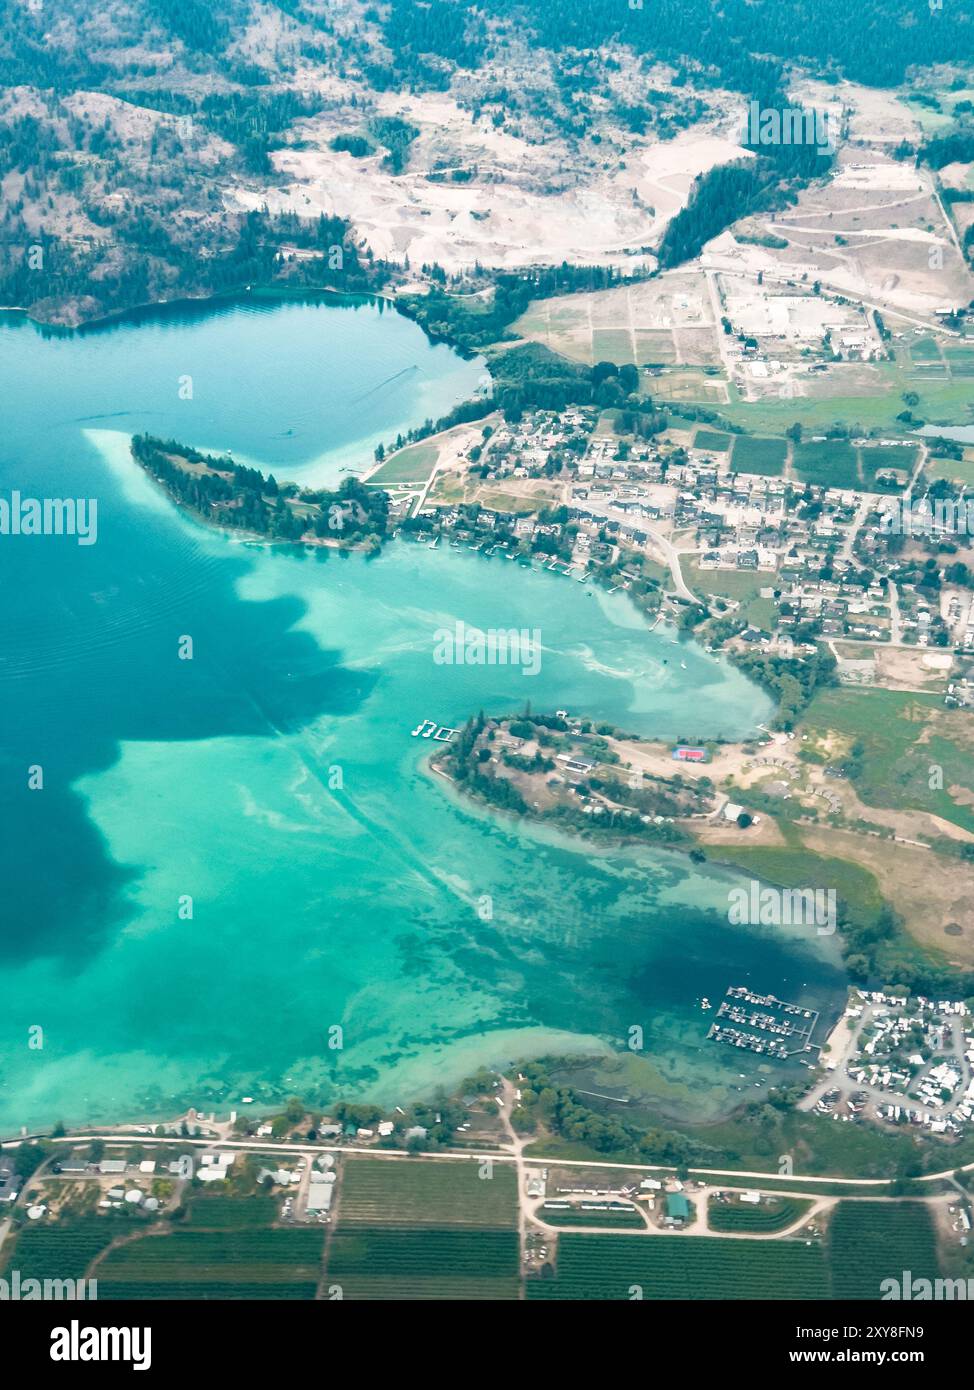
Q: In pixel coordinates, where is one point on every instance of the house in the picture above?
(73, 1165)
(112, 1165)
(9, 1181)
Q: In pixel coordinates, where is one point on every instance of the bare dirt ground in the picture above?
(874, 230)
(897, 668)
(516, 203)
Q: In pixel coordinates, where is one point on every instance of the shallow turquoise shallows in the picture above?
(234, 856)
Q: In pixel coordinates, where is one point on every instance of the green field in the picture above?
(426, 1229)
(377, 1191)
(960, 469)
(713, 440)
(415, 1263)
(63, 1249)
(870, 1242)
(755, 455)
(942, 402)
(612, 345)
(960, 360)
(413, 464)
(832, 463)
(925, 350)
(759, 1220)
(903, 456)
(742, 585)
(795, 866)
(698, 1267)
(215, 1212)
(575, 1216)
(894, 770)
(241, 1263)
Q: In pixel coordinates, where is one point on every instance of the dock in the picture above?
(440, 733)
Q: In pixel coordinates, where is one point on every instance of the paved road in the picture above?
(612, 513)
(538, 1160)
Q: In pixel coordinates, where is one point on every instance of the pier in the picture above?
(440, 733)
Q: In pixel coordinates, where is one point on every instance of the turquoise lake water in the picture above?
(272, 779)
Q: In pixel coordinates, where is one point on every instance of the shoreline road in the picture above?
(610, 513)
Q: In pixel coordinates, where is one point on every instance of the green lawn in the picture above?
(413, 464)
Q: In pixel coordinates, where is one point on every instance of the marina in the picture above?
(763, 1023)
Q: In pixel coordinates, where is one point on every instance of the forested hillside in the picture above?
(140, 140)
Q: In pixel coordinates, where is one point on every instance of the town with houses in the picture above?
(897, 1060)
(781, 563)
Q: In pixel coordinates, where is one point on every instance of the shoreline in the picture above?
(148, 309)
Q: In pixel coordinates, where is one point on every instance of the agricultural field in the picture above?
(662, 1267)
(899, 456)
(212, 1211)
(832, 463)
(576, 1216)
(869, 1242)
(377, 1191)
(243, 1262)
(425, 1230)
(379, 1262)
(713, 440)
(62, 1249)
(650, 323)
(960, 360)
(775, 1215)
(753, 454)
